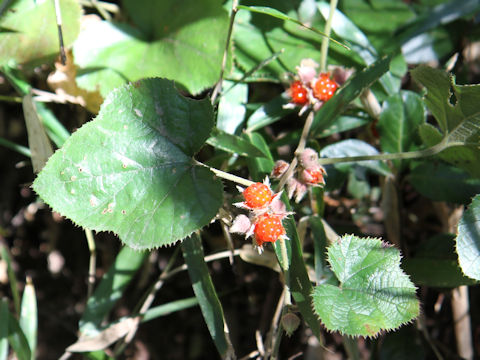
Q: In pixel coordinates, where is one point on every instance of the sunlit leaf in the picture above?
(455, 107)
(131, 170)
(468, 240)
(180, 40)
(33, 32)
(373, 295)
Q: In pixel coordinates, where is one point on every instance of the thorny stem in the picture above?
(326, 39)
(93, 261)
(218, 87)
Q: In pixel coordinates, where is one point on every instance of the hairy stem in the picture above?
(326, 39)
(383, 157)
(218, 87)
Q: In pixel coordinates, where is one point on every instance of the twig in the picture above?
(93, 261)
(326, 38)
(275, 327)
(301, 146)
(58, 14)
(218, 87)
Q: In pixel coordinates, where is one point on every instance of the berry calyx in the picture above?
(298, 93)
(324, 87)
(313, 176)
(268, 228)
(257, 195)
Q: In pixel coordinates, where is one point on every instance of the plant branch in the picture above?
(326, 39)
(383, 157)
(218, 87)
(230, 177)
(301, 146)
(92, 263)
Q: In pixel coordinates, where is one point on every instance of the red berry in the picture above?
(324, 87)
(257, 195)
(313, 176)
(298, 93)
(268, 228)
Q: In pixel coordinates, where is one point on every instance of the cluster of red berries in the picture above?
(266, 214)
(308, 173)
(311, 89)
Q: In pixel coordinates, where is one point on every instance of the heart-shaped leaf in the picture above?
(131, 170)
(29, 30)
(373, 294)
(181, 40)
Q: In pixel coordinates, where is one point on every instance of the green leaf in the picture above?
(258, 37)
(442, 182)
(401, 116)
(33, 33)
(345, 123)
(28, 315)
(3, 329)
(11, 278)
(233, 144)
(181, 40)
(354, 147)
(435, 264)
(262, 166)
(131, 170)
(322, 273)
(404, 344)
(17, 339)
(207, 296)
(373, 295)
(468, 240)
(38, 142)
(347, 93)
(268, 113)
(110, 290)
(169, 308)
(279, 15)
(458, 116)
(231, 108)
(439, 15)
(359, 43)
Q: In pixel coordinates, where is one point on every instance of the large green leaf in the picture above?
(401, 116)
(29, 31)
(373, 295)
(468, 240)
(257, 37)
(442, 182)
(435, 264)
(183, 40)
(131, 170)
(455, 107)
